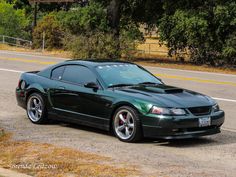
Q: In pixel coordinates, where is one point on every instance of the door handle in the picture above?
(61, 87)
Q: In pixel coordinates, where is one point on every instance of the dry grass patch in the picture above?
(14, 48)
(56, 53)
(152, 47)
(48, 160)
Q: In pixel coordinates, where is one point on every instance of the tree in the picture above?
(205, 29)
(121, 12)
(80, 20)
(52, 30)
(13, 22)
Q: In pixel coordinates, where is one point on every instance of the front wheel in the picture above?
(126, 124)
(36, 109)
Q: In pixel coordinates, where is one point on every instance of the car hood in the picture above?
(167, 96)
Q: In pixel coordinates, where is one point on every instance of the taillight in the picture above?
(19, 83)
(22, 84)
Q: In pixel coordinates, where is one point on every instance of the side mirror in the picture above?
(91, 85)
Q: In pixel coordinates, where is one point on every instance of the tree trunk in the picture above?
(114, 15)
(113, 11)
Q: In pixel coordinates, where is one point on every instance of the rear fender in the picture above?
(36, 88)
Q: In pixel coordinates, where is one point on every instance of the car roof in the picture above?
(95, 62)
(88, 63)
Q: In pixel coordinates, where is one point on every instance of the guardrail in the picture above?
(15, 41)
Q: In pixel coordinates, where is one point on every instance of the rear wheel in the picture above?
(126, 124)
(36, 109)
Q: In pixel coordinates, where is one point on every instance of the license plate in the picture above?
(204, 122)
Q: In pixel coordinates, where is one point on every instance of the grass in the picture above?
(13, 48)
(48, 160)
(55, 52)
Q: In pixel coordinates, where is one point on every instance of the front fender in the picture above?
(141, 106)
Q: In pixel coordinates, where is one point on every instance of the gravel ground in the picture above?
(208, 156)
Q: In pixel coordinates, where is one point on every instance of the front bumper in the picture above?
(181, 127)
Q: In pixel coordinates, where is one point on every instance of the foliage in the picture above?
(52, 30)
(13, 22)
(99, 45)
(20, 4)
(92, 36)
(79, 19)
(205, 29)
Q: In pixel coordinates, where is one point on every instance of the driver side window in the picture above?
(77, 74)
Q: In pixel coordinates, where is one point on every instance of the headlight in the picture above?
(216, 108)
(167, 111)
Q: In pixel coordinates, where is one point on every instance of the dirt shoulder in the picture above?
(39, 159)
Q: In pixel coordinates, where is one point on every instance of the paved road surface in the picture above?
(208, 156)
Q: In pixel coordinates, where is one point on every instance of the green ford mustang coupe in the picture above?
(117, 96)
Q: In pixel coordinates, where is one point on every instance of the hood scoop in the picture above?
(174, 90)
(168, 90)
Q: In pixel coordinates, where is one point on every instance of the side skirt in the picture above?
(81, 119)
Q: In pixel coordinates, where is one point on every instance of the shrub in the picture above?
(52, 30)
(100, 45)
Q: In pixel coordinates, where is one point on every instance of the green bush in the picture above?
(52, 30)
(100, 45)
(12, 22)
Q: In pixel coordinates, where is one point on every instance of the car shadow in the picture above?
(85, 128)
(226, 137)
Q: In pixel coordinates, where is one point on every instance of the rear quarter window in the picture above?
(57, 73)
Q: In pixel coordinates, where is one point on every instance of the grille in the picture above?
(198, 111)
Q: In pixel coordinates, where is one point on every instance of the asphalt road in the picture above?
(208, 156)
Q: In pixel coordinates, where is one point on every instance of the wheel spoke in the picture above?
(37, 114)
(35, 102)
(127, 131)
(40, 112)
(131, 125)
(120, 128)
(128, 117)
(122, 118)
(32, 109)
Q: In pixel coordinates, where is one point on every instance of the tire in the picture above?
(127, 125)
(36, 109)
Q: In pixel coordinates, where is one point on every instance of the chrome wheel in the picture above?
(124, 124)
(34, 108)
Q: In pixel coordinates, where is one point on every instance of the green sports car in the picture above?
(117, 96)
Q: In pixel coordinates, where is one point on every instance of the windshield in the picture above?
(125, 74)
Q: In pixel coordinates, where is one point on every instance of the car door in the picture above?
(71, 97)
